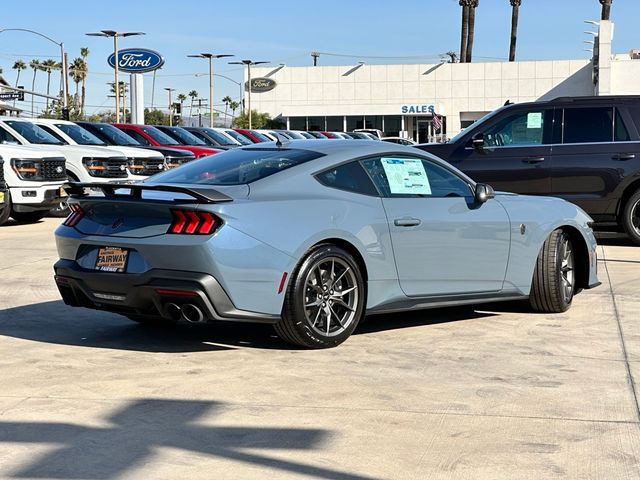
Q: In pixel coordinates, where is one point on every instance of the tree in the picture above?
(76, 72)
(35, 65)
(515, 11)
(464, 32)
(258, 120)
(19, 65)
(606, 9)
(49, 66)
(122, 95)
(226, 100)
(158, 117)
(55, 110)
(181, 98)
(193, 94)
(84, 53)
(233, 105)
(473, 4)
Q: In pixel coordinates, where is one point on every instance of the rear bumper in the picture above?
(148, 293)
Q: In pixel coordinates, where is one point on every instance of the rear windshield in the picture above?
(160, 137)
(236, 167)
(183, 136)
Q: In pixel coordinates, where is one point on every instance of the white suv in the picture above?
(34, 177)
(141, 162)
(84, 164)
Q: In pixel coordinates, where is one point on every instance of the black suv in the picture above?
(583, 149)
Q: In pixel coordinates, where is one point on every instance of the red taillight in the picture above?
(75, 216)
(192, 222)
(175, 293)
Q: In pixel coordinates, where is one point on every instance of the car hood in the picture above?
(30, 151)
(135, 152)
(88, 150)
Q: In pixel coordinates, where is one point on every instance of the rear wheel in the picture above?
(554, 279)
(631, 218)
(28, 217)
(324, 300)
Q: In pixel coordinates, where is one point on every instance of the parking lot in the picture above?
(491, 392)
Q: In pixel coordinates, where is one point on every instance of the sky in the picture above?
(284, 31)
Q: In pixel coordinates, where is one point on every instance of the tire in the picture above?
(6, 213)
(28, 217)
(325, 299)
(62, 210)
(631, 218)
(554, 277)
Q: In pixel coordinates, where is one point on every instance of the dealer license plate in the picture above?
(112, 259)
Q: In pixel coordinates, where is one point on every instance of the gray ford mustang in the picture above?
(311, 236)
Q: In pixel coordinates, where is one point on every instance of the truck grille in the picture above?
(116, 168)
(146, 166)
(53, 169)
(173, 162)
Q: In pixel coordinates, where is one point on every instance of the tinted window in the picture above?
(219, 137)
(111, 134)
(7, 137)
(621, 134)
(160, 137)
(588, 125)
(236, 167)
(239, 137)
(53, 133)
(522, 128)
(138, 137)
(260, 136)
(407, 176)
(80, 135)
(635, 115)
(33, 133)
(183, 136)
(350, 177)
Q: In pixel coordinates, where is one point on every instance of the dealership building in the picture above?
(401, 100)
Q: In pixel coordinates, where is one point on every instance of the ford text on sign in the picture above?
(137, 60)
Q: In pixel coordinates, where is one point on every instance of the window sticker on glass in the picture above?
(406, 176)
(534, 120)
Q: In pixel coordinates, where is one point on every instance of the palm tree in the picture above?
(464, 32)
(76, 72)
(515, 11)
(181, 98)
(49, 66)
(193, 94)
(473, 4)
(606, 9)
(18, 65)
(35, 64)
(84, 53)
(226, 100)
(233, 106)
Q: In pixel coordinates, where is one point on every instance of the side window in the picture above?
(53, 133)
(588, 125)
(620, 132)
(350, 177)
(408, 177)
(520, 129)
(136, 136)
(7, 137)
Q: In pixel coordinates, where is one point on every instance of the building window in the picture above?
(373, 121)
(335, 124)
(317, 123)
(297, 123)
(392, 125)
(355, 122)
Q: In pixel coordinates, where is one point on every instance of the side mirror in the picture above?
(484, 192)
(478, 141)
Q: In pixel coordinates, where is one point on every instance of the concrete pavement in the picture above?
(495, 392)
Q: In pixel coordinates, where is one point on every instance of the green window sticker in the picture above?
(534, 120)
(406, 176)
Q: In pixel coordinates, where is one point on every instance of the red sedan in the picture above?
(255, 137)
(151, 136)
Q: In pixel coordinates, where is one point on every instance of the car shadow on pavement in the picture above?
(614, 239)
(55, 322)
(139, 428)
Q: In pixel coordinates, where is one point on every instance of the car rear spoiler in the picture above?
(201, 195)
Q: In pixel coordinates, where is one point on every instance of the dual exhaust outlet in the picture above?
(189, 312)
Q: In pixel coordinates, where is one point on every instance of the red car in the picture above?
(151, 136)
(255, 137)
(330, 135)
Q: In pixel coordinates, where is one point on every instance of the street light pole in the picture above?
(115, 35)
(248, 64)
(210, 57)
(168, 89)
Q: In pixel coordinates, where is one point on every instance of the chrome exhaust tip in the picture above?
(191, 313)
(174, 311)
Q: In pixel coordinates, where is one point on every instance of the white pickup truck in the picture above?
(34, 177)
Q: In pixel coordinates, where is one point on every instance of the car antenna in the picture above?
(278, 142)
(508, 102)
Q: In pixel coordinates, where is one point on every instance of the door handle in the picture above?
(406, 222)
(532, 160)
(623, 156)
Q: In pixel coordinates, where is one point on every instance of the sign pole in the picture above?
(117, 83)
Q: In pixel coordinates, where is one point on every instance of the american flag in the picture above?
(437, 121)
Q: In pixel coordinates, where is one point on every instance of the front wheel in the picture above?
(631, 218)
(554, 279)
(325, 299)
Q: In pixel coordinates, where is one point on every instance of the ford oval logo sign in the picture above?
(261, 84)
(136, 60)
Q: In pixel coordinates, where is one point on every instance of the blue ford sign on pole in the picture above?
(136, 60)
